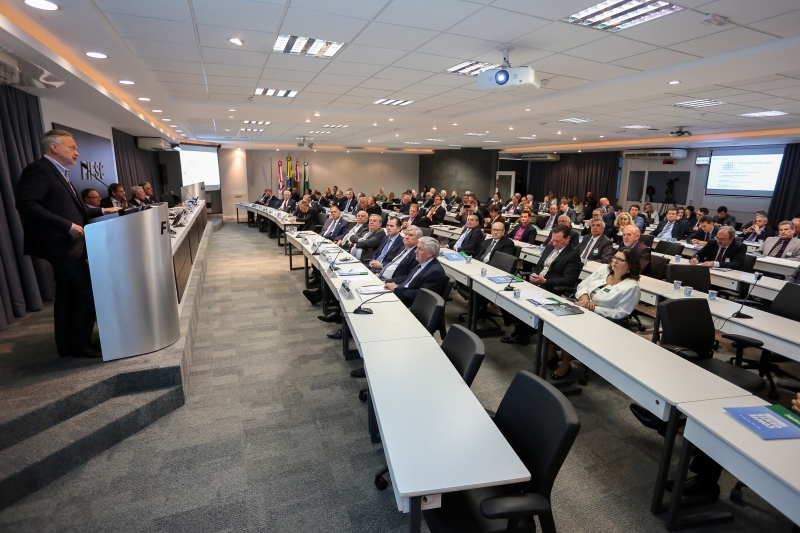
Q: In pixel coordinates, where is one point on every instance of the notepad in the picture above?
(351, 272)
(453, 256)
(372, 289)
(346, 260)
(770, 422)
(504, 279)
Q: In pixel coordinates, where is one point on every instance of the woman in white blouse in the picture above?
(612, 291)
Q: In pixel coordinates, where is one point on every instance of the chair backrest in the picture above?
(749, 263)
(647, 239)
(428, 308)
(448, 289)
(688, 323)
(322, 217)
(426, 232)
(662, 247)
(695, 276)
(657, 266)
(465, 350)
(540, 436)
(785, 303)
(674, 248)
(504, 261)
(541, 220)
(171, 199)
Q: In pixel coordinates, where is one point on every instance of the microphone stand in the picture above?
(739, 314)
(360, 310)
(509, 287)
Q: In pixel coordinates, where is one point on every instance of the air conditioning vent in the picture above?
(541, 157)
(656, 153)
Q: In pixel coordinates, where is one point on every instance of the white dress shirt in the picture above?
(611, 301)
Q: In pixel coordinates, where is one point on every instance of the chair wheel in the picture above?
(642, 329)
(380, 483)
(363, 395)
(461, 319)
(736, 495)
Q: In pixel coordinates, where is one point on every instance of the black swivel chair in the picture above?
(668, 248)
(446, 297)
(749, 267)
(171, 199)
(657, 266)
(503, 261)
(542, 438)
(426, 232)
(695, 276)
(647, 239)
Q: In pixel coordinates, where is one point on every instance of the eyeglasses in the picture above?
(618, 260)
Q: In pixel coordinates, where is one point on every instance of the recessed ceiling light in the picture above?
(173, 125)
(231, 116)
(144, 99)
(527, 109)
(231, 110)
(127, 82)
(638, 127)
(511, 127)
(454, 145)
(475, 134)
(694, 104)
(389, 101)
(764, 114)
(532, 137)
(156, 111)
(616, 15)
(369, 140)
(490, 141)
(336, 126)
(348, 151)
(306, 46)
(179, 131)
(454, 124)
(284, 93)
(183, 135)
(42, 4)
(435, 140)
(574, 138)
(674, 82)
(254, 122)
(316, 114)
(487, 131)
(434, 127)
(602, 136)
(411, 142)
(576, 120)
(166, 119)
(236, 41)
(374, 123)
(320, 132)
(471, 68)
(391, 120)
(579, 151)
(226, 129)
(97, 55)
(558, 133)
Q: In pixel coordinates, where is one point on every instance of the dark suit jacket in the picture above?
(407, 264)
(404, 208)
(602, 252)
(105, 202)
(574, 239)
(504, 244)
(351, 207)
(700, 235)
(570, 213)
(49, 208)
(339, 202)
(353, 238)
(643, 251)
(309, 219)
(727, 221)
(472, 242)
(565, 270)
(396, 248)
(374, 210)
(529, 235)
(766, 232)
(734, 255)
(291, 205)
(678, 229)
(432, 278)
(420, 222)
(438, 214)
(369, 244)
(338, 233)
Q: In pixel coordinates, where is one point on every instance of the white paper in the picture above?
(372, 289)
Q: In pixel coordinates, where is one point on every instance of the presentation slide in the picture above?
(744, 172)
(200, 164)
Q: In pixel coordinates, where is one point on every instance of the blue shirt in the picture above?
(61, 168)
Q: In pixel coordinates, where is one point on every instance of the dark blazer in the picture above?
(309, 219)
(574, 239)
(323, 202)
(504, 244)
(274, 202)
(678, 229)
(570, 213)
(765, 233)
(338, 233)
(487, 226)
(418, 221)
(643, 251)
(438, 214)
(608, 220)
(291, 205)
(407, 264)
(472, 243)
(432, 278)
(728, 220)
(404, 208)
(734, 255)
(360, 233)
(529, 235)
(427, 203)
(700, 235)
(396, 248)
(352, 207)
(374, 210)
(49, 207)
(105, 202)
(565, 270)
(137, 203)
(339, 202)
(369, 244)
(265, 200)
(602, 252)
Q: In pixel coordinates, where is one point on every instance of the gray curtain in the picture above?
(785, 204)
(575, 174)
(24, 281)
(134, 165)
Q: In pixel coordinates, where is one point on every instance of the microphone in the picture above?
(509, 287)
(335, 257)
(360, 310)
(739, 314)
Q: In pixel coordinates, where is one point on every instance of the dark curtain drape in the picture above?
(575, 174)
(134, 165)
(24, 281)
(785, 203)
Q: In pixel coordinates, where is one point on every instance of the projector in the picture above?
(508, 77)
(680, 133)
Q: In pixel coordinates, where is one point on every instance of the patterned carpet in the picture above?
(273, 438)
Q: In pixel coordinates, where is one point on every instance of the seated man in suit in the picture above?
(308, 216)
(264, 199)
(116, 197)
(638, 220)
(428, 274)
(91, 199)
(723, 218)
(574, 240)
(287, 205)
(524, 231)
(414, 219)
(553, 220)
(471, 237)
(565, 209)
(364, 247)
(390, 246)
(335, 226)
(381, 196)
(405, 204)
(596, 246)
(498, 243)
(670, 227)
(405, 260)
(149, 194)
(512, 207)
(453, 198)
(630, 239)
(138, 197)
(349, 204)
(758, 230)
(372, 206)
(436, 213)
(723, 252)
(428, 201)
(355, 231)
(558, 266)
(706, 232)
(363, 205)
(494, 216)
(609, 218)
(783, 245)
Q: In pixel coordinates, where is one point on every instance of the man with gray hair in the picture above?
(723, 252)
(783, 245)
(427, 274)
(406, 260)
(53, 217)
(149, 196)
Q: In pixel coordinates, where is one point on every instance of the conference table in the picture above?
(279, 218)
(416, 395)
(773, 265)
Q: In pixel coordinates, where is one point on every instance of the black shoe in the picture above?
(694, 487)
(89, 352)
(648, 419)
(312, 296)
(335, 335)
(358, 373)
(556, 377)
(515, 339)
(331, 317)
(553, 363)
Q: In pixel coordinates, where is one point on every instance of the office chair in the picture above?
(503, 261)
(171, 199)
(668, 248)
(542, 439)
(695, 276)
(647, 239)
(446, 296)
(748, 266)
(657, 266)
(426, 232)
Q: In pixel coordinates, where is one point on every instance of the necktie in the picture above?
(666, 233)
(331, 228)
(708, 237)
(780, 246)
(396, 261)
(417, 270)
(548, 262)
(385, 250)
(283, 207)
(588, 248)
(461, 239)
(550, 223)
(720, 255)
(431, 213)
(753, 235)
(488, 253)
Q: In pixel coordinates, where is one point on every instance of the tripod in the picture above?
(669, 199)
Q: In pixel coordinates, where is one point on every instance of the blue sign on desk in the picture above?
(766, 421)
(453, 256)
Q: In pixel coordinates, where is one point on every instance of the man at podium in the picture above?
(53, 217)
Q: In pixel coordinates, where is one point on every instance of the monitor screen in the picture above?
(200, 164)
(746, 172)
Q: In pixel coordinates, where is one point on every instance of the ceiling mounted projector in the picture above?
(507, 77)
(680, 133)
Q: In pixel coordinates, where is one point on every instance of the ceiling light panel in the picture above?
(616, 15)
(471, 68)
(282, 93)
(319, 132)
(454, 145)
(306, 46)
(252, 129)
(475, 134)
(638, 127)
(336, 126)
(388, 101)
(411, 142)
(527, 138)
(694, 104)
(490, 141)
(435, 140)
(576, 120)
(764, 114)
(258, 122)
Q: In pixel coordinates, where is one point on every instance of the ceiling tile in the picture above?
(450, 80)
(234, 57)
(497, 25)
(654, 59)
(344, 105)
(672, 29)
(250, 83)
(239, 14)
(179, 77)
(351, 69)
(350, 99)
(321, 25)
(562, 65)
(290, 62)
(172, 65)
(370, 54)
(422, 88)
(559, 36)
(363, 9)
(546, 9)
(283, 75)
(564, 82)
(369, 93)
(388, 85)
(786, 92)
(427, 62)
(190, 95)
(778, 83)
(464, 93)
(464, 47)
(747, 11)
(400, 37)
(725, 41)
(147, 48)
(150, 8)
(237, 71)
(180, 86)
(339, 79)
(782, 26)
(404, 74)
(333, 90)
(229, 89)
(605, 72)
(438, 15)
(217, 37)
(166, 31)
(519, 56)
(609, 49)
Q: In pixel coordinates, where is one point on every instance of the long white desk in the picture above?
(279, 218)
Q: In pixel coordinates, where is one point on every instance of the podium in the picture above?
(130, 259)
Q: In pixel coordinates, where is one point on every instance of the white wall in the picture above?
(364, 172)
(53, 111)
(232, 180)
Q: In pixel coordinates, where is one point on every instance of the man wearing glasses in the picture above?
(91, 199)
(498, 243)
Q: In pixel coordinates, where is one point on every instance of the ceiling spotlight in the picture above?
(183, 135)
(397, 135)
(231, 110)
(511, 127)
(391, 120)
(434, 127)
(316, 113)
(454, 124)
(308, 120)
(602, 136)
(236, 41)
(179, 131)
(558, 133)
(144, 99)
(127, 82)
(156, 111)
(527, 109)
(166, 119)
(226, 129)
(42, 4)
(369, 140)
(574, 138)
(97, 55)
(674, 82)
(173, 125)
(348, 151)
(374, 123)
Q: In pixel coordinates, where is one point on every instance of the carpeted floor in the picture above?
(273, 438)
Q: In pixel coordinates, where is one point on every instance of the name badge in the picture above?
(595, 251)
(727, 260)
(607, 289)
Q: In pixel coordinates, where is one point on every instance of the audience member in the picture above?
(783, 245)
(596, 246)
(498, 243)
(428, 274)
(723, 218)
(724, 251)
(630, 239)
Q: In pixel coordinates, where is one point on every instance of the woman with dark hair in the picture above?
(424, 191)
(494, 216)
(649, 194)
(612, 291)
